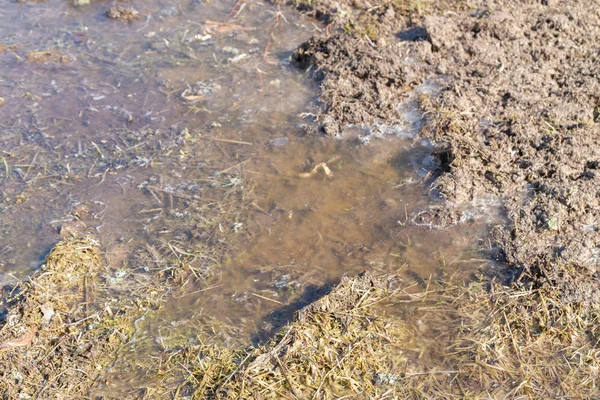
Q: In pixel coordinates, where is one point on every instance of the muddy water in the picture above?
(176, 137)
(92, 104)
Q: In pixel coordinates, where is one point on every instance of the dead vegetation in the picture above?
(531, 338)
(341, 345)
(335, 347)
(370, 337)
(47, 56)
(57, 338)
(525, 341)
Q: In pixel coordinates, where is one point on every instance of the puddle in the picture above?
(179, 140)
(119, 107)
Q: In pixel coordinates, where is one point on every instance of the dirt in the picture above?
(366, 61)
(360, 83)
(516, 118)
(374, 19)
(124, 14)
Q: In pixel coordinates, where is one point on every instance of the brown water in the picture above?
(174, 138)
(111, 110)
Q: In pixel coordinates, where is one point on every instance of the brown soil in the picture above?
(369, 64)
(376, 18)
(47, 56)
(360, 84)
(123, 14)
(519, 119)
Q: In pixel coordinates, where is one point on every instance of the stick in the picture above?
(266, 298)
(232, 141)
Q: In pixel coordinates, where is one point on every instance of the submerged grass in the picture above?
(492, 341)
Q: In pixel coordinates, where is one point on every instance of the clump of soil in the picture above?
(48, 56)
(362, 68)
(337, 346)
(123, 14)
(360, 83)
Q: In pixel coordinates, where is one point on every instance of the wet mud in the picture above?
(519, 123)
(360, 84)
(532, 134)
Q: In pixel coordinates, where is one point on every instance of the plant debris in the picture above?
(48, 56)
(57, 337)
(515, 114)
(319, 167)
(123, 14)
(337, 346)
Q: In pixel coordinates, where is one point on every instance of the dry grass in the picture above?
(56, 338)
(500, 342)
(366, 339)
(335, 347)
(525, 341)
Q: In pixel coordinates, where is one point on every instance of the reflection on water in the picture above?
(176, 134)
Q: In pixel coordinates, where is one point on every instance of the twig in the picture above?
(232, 141)
(235, 166)
(235, 6)
(31, 164)
(236, 370)
(285, 376)
(266, 298)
